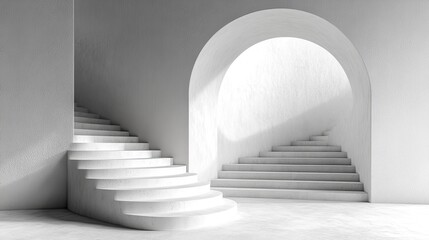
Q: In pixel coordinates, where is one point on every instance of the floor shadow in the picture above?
(53, 216)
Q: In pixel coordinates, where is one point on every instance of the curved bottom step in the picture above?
(182, 220)
(350, 196)
(170, 205)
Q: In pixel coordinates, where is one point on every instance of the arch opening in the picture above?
(277, 91)
(352, 133)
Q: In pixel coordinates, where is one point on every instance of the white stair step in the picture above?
(310, 161)
(184, 220)
(310, 143)
(319, 138)
(108, 146)
(150, 182)
(80, 109)
(326, 133)
(147, 194)
(288, 184)
(304, 154)
(104, 139)
(78, 125)
(172, 204)
(92, 132)
(349, 196)
(86, 114)
(122, 173)
(311, 176)
(307, 148)
(105, 155)
(91, 120)
(123, 163)
(289, 168)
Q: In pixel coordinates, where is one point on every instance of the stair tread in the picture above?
(285, 181)
(90, 118)
(292, 190)
(226, 205)
(114, 154)
(197, 184)
(208, 194)
(97, 130)
(303, 158)
(131, 168)
(112, 151)
(120, 159)
(134, 173)
(303, 152)
(106, 146)
(101, 136)
(272, 172)
(86, 114)
(94, 125)
(157, 177)
(294, 165)
(80, 109)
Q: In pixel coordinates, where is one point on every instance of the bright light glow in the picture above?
(280, 80)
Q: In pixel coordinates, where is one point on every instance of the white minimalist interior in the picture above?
(202, 119)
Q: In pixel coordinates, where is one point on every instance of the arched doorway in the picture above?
(229, 42)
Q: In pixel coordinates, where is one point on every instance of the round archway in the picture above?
(353, 133)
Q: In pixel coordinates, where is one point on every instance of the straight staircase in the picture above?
(309, 170)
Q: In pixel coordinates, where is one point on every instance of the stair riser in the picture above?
(310, 143)
(86, 114)
(91, 120)
(108, 146)
(80, 109)
(305, 154)
(289, 168)
(182, 222)
(313, 161)
(78, 125)
(170, 207)
(347, 177)
(100, 132)
(294, 195)
(340, 186)
(94, 155)
(319, 138)
(150, 194)
(326, 133)
(145, 183)
(134, 173)
(104, 139)
(307, 148)
(120, 163)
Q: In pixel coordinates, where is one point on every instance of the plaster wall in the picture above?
(36, 102)
(134, 60)
(277, 91)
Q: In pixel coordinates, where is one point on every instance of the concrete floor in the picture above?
(258, 219)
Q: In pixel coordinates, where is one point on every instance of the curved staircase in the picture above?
(115, 178)
(309, 170)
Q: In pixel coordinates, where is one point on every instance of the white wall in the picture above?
(277, 91)
(134, 60)
(36, 102)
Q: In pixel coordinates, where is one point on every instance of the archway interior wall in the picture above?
(229, 42)
(277, 91)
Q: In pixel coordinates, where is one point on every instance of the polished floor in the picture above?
(257, 219)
